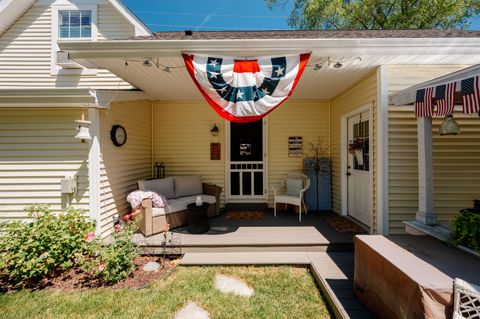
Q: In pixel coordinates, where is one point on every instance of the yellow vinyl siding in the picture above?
(25, 51)
(310, 120)
(361, 94)
(456, 167)
(182, 140)
(122, 167)
(37, 150)
(403, 166)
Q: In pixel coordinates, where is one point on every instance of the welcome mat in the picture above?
(342, 224)
(245, 214)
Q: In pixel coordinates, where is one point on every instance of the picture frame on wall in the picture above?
(295, 146)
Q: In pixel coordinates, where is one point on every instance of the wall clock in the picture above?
(118, 134)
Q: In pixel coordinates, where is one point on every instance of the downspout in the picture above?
(152, 114)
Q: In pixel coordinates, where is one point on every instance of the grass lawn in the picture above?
(280, 292)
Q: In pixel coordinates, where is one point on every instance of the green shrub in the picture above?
(466, 227)
(113, 261)
(30, 252)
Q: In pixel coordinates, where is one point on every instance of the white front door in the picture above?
(246, 178)
(358, 169)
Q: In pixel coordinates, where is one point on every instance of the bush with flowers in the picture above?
(44, 247)
(112, 262)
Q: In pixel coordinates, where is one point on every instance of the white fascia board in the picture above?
(252, 47)
(66, 97)
(408, 95)
(140, 28)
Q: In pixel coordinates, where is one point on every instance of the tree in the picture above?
(380, 14)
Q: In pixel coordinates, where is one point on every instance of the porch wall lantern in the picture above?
(215, 131)
(449, 126)
(83, 130)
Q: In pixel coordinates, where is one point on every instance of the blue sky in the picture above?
(209, 15)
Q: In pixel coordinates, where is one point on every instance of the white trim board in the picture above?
(408, 95)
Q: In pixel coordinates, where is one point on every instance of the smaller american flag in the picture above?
(445, 98)
(471, 95)
(423, 102)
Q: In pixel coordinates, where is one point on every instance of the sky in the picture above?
(214, 15)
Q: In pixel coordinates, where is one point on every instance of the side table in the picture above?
(198, 218)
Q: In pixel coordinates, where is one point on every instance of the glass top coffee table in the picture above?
(198, 218)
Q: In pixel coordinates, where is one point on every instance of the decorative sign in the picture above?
(295, 146)
(215, 151)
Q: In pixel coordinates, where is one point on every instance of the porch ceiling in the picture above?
(321, 84)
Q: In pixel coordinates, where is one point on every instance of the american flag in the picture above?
(471, 95)
(423, 102)
(445, 98)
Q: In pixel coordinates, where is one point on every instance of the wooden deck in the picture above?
(275, 241)
(283, 233)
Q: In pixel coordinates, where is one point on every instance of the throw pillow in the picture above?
(188, 185)
(162, 186)
(294, 186)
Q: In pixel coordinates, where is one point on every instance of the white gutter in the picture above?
(408, 95)
(250, 47)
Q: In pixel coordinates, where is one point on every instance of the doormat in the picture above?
(245, 214)
(342, 224)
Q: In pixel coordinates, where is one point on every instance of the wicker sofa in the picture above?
(179, 191)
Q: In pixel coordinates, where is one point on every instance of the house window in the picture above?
(75, 24)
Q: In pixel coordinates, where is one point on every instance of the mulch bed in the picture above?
(255, 215)
(342, 224)
(75, 280)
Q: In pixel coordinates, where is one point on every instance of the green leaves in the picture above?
(30, 252)
(467, 227)
(381, 14)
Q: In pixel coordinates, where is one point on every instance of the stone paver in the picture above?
(192, 311)
(227, 284)
(151, 266)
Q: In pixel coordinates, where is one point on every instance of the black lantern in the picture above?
(159, 170)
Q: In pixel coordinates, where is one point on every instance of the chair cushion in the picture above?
(179, 204)
(206, 198)
(162, 186)
(188, 185)
(294, 186)
(174, 205)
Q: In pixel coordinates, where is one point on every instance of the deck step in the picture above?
(246, 206)
(245, 258)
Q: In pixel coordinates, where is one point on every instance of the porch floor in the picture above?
(283, 233)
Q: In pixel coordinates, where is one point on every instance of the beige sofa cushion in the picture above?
(179, 204)
(164, 186)
(188, 185)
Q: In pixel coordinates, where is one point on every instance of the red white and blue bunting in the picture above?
(245, 90)
(443, 102)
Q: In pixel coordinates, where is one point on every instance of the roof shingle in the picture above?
(311, 34)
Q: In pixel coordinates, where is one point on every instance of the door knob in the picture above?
(348, 173)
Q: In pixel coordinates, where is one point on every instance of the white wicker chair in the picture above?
(466, 300)
(280, 195)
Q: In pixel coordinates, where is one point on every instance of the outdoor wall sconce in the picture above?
(83, 130)
(449, 126)
(215, 131)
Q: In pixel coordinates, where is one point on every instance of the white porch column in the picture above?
(94, 167)
(425, 214)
